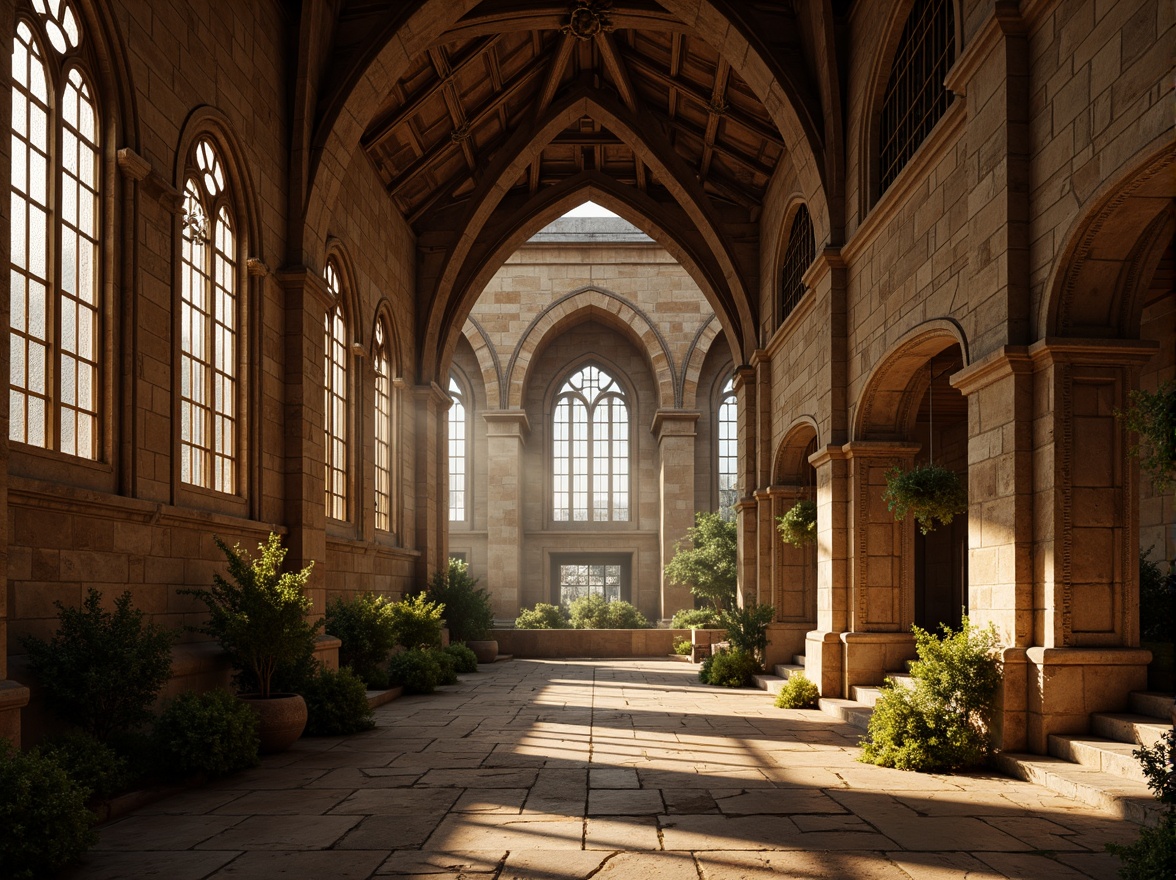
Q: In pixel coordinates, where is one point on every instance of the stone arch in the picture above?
(344, 119)
(1111, 252)
(889, 402)
(487, 355)
(686, 393)
(791, 462)
(338, 251)
(384, 313)
(577, 306)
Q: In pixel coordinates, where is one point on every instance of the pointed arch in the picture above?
(687, 390)
(487, 356)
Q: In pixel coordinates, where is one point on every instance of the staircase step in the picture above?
(798, 660)
(1125, 798)
(1128, 728)
(1155, 704)
(849, 711)
(866, 694)
(769, 683)
(787, 670)
(1097, 753)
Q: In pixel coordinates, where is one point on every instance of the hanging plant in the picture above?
(1151, 415)
(929, 492)
(799, 525)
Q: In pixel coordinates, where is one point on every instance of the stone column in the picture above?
(431, 429)
(506, 435)
(745, 508)
(1084, 656)
(306, 302)
(822, 652)
(881, 597)
(788, 575)
(675, 433)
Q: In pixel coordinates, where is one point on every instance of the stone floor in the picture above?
(609, 769)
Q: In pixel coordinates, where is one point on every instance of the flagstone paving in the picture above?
(618, 770)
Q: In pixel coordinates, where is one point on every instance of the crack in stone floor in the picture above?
(612, 769)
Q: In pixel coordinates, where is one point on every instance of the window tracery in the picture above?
(335, 396)
(590, 449)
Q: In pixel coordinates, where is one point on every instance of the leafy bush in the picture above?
(260, 617)
(731, 669)
(211, 732)
(694, 618)
(1154, 853)
(1152, 417)
(366, 627)
(102, 670)
(704, 669)
(595, 612)
(92, 764)
(416, 622)
(942, 724)
(799, 525)
(464, 660)
(416, 670)
(43, 814)
(1157, 601)
(929, 492)
(682, 647)
(798, 693)
(747, 629)
(707, 567)
(336, 703)
(447, 664)
(543, 616)
(467, 606)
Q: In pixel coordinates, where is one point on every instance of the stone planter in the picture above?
(282, 717)
(485, 649)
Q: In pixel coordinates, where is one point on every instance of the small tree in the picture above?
(1151, 416)
(708, 566)
(259, 617)
(468, 614)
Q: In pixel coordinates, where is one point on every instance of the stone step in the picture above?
(798, 659)
(1128, 728)
(1152, 703)
(769, 683)
(1125, 798)
(1098, 753)
(849, 711)
(787, 670)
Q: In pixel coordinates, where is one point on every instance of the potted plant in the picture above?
(1152, 416)
(467, 609)
(799, 525)
(929, 492)
(259, 617)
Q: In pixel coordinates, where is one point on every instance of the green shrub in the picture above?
(92, 764)
(595, 612)
(798, 693)
(694, 618)
(417, 622)
(336, 703)
(447, 664)
(42, 813)
(212, 732)
(747, 629)
(416, 670)
(259, 617)
(942, 724)
(799, 525)
(464, 660)
(543, 616)
(1157, 601)
(731, 669)
(708, 565)
(102, 670)
(704, 669)
(468, 614)
(366, 627)
(929, 492)
(1151, 416)
(1154, 853)
(682, 647)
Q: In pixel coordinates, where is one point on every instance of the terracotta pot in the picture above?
(486, 650)
(283, 718)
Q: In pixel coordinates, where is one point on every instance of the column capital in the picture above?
(826, 454)
(881, 449)
(674, 422)
(307, 279)
(1117, 352)
(507, 423)
(1004, 362)
(432, 393)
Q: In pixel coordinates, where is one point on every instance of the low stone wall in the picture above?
(567, 643)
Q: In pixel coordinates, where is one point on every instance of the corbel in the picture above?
(138, 169)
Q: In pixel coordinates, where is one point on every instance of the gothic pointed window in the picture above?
(590, 449)
(382, 417)
(458, 452)
(798, 256)
(728, 450)
(208, 326)
(335, 398)
(54, 262)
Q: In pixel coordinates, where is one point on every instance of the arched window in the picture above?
(208, 326)
(915, 97)
(458, 451)
(798, 256)
(590, 449)
(54, 263)
(382, 417)
(335, 393)
(728, 435)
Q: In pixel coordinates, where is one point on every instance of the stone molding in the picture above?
(1005, 21)
(672, 422)
(507, 423)
(992, 368)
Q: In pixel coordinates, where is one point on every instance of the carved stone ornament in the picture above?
(587, 19)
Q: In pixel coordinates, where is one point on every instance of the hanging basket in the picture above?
(1152, 416)
(929, 492)
(799, 525)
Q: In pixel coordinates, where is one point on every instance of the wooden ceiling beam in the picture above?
(555, 72)
(749, 162)
(714, 113)
(617, 71)
(453, 104)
